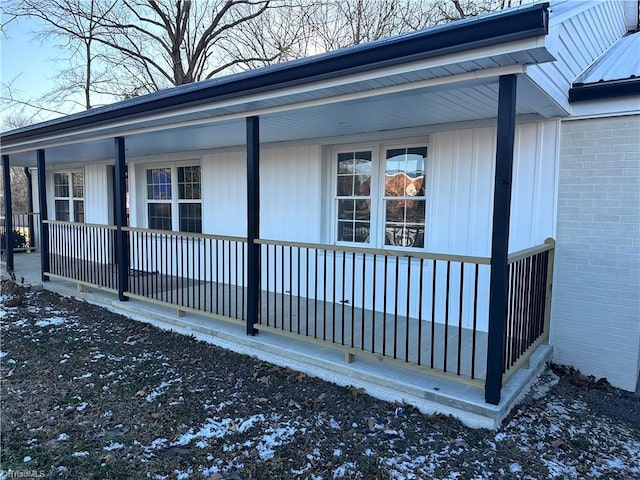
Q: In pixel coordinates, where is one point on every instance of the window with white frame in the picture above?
(68, 191)
(174, 198)
(380, 196)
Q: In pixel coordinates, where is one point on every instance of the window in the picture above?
(174, 198)
(68, 190)
(381, 202)
(354, 197)
(404, 197)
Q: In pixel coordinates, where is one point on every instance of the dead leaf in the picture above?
(557, 443)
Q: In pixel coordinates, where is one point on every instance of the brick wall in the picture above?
(596, 298)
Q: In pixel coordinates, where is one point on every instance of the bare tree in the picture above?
(176, 42)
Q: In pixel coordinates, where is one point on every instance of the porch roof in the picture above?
(444, 74)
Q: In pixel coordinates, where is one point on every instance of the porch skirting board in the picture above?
(386, 381)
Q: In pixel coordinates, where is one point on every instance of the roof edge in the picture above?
(484, 31)
(603, 90)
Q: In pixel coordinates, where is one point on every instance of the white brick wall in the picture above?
(596, 298)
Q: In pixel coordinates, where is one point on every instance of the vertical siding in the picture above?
(97, 204)
(461, 170)
(290, 193)
(224, 197)
(576, 41)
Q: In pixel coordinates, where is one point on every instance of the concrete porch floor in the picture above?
(385, 380)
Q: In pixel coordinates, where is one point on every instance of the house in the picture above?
(398, 199)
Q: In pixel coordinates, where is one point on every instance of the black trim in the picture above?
(604, 90)
(8, 213)
(253, 224)
(505, 138)
(44, 227)
(484, 31)
(122, 243)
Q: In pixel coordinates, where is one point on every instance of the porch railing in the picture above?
(191, 271)
(83, 252)
(528, 304)
(420, 309)
(25, 236)
(423, 309)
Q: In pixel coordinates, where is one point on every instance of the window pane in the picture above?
(62, 210)
(78, 184)
(61, 184)
(395, 210)
(404, 172)
(361, 232)
(189, 183)
(190, 217)
(346, 209)
(159, 216)
(345, 186)
(363, 210)
(78, 211)
(345, 163)
(362, 185)
(345, 231)
(159, 184)
(404, 236)
(415, 211)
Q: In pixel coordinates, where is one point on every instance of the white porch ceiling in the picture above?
(204, 129)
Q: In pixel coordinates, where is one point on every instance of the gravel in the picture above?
(87, 393)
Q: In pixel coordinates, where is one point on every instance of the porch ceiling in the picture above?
(444, 103)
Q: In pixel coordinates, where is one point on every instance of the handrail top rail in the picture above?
(549, 244)
(80, 224)
(381, 252)
(193, 235)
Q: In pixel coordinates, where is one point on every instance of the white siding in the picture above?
(290, 193)
(576, 38)
(460, 210)
(224, 197)
(98, 206)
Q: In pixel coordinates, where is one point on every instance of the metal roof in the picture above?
(620, 62)
(488, 30)
(615, 73)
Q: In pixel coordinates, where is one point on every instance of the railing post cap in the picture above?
(550, 240)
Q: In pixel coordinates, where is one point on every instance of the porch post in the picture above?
(253, 223)
(122, 243)
(32, 239)
(506, 125)
(8, 213)
(44, 227)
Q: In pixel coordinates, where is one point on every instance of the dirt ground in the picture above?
(90, 394)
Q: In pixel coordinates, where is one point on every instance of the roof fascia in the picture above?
(604, 90)
(485, 31)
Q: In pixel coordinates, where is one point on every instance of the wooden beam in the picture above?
(505, 138)
(253, 223)
(8, 213)
(44, 226)
(122, 237)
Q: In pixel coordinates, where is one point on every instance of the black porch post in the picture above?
(44, 227)
(506, 127)
(253, 223)
(32, 240)
(122, 243)
(8, 212)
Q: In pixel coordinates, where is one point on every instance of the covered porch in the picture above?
(470, 318)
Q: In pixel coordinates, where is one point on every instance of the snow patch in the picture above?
(50, 322)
